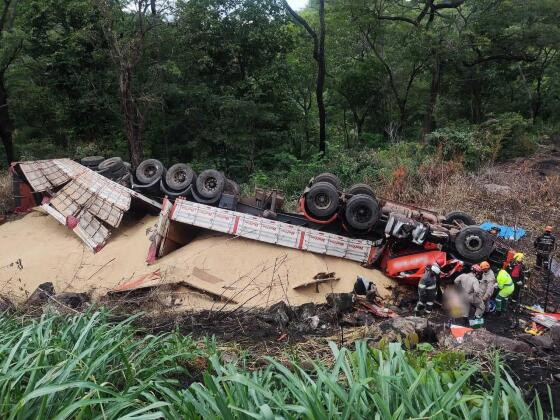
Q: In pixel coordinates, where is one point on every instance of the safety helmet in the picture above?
(548, 229)
(476, 268)
(518, 257)
(485, 266)
(435, 268)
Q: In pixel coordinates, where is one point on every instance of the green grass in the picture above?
(86, 367)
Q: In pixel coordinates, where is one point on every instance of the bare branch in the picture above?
(307, 27)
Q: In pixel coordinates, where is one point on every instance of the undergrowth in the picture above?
(86, 366)
(6, 199)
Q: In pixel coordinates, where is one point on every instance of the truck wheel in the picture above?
(322, 200)
(330, 178)
(149, 171)
(111, 165)
(361, 189)
(210, 184)
(459, 219)
(232, 187)
(112, 168)
(179, 176)
(362, 212)
(473, 243)
(92, 162)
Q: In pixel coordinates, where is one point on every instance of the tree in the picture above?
(10, 47)
(126, 26)
(319, 56)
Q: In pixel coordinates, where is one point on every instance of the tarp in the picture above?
(507, 232)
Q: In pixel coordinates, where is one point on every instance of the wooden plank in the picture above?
(314, 282)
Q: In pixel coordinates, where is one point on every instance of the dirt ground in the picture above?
(36, 249)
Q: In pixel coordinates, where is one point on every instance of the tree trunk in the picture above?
(6, 123)
(433, 98)
(321, 72)
(133, 118)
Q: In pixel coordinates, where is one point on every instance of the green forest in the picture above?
(269, 94)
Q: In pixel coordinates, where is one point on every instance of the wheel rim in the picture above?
(322, 200)
(150, 170)
(179, 176)
(211, 184)
(363, 214)
(473, 243)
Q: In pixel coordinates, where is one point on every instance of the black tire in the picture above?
(473, 244)
(210, 184)
(322, 200)
(111, 164)
(149, 171)
(330, 178)
(361, 189)
(362, 212)
(459, 219)
(92, 161)
(232, 187)
(179, 177)
(208, 201)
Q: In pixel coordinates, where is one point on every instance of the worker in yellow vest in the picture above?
(505, 289)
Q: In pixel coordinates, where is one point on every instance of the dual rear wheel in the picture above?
(360, 211)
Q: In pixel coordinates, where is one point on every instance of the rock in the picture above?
(408, 330)
(307, 310)
(483, 340)
(281, 314)
(72, 300)
(314, 322)
(497, 189)
(341, 302)
(41, 294)
(555, 335)
(6, 305)
(541, 341)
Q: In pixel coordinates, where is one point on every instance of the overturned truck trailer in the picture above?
(81, 199)
(179, 222)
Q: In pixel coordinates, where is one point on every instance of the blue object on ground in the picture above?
(506, 232)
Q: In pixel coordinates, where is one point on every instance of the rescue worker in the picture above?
(487, 283)
(505, 289)
(469, 288)
(545, 245)
(427, 289)
(516, 270)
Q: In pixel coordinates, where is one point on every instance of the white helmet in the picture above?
(435, 268)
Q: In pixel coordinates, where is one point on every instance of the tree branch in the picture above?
(307, 27)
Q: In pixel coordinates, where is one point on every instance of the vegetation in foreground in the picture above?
(86, 366)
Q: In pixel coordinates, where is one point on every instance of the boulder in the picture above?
(305, 311)
(341, 302)
(280, 314)
(407, 330)
(72, 300)
(41, 294)
(482, 340)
